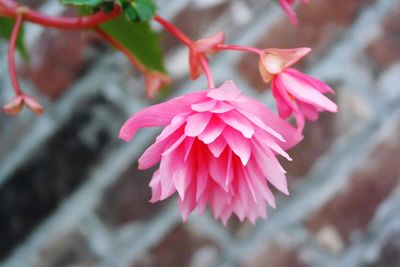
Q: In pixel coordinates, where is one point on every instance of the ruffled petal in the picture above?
(305, 92)
(158, 115)
(239, 145)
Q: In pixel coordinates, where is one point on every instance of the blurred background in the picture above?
(70, 191)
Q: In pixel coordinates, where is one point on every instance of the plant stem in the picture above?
(174, 31)
(11, 52)
(240, 48)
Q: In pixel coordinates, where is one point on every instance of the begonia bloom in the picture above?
(295, 92)
(218, 148)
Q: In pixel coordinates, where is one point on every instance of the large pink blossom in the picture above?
(287, 7)
(295, 92)
(218, 148)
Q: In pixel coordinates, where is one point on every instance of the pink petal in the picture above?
(317, 84)
(239, 145)
(221, 107)
(158, 115)
(217, 147)
(153, 153)
(187, 147)
(187, 205)
(213, 130)
(268, 143)
(309, 111)
(227, 91)
(175, 124)
(238, 122)
(196, 123)
(256, 177)
(217, 169)
(258, 122)
(270, 168)
(155, 187)
(284, 110)
(288, 132)
(304, 92)
(204, 106)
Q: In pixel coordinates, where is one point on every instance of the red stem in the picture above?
(11, 51)
(174, 30)
(10, 9)
(207, 71)
(240, 48)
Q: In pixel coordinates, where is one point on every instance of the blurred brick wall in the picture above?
(70, 191)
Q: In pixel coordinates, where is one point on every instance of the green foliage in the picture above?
(134, 10)
(6, 26)
(139, 38)
(82, 2)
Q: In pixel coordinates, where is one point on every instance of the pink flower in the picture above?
(287, 7)
(295, 92)
(218, 148)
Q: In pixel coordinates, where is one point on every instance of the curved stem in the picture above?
(174, 30)
(240, 48)
(207, 71)
(11, 51)
(10, 9)
(122, 49)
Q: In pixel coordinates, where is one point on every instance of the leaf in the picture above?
(82, 2)
(138, 10)
(146, 9)
(139, 38)
(6, 26)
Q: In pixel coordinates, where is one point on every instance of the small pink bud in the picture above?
(155, 81)
(14, 106)
(203, 46)
(33, 105)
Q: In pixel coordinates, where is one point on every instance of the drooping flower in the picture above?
(287, 7)
(295, 92)
(218, 148)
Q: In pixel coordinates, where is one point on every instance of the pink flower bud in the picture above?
(155, 81)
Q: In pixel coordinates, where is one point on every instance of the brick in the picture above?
(127, 200)
(71, 249)
(39, 185)
(385, 48)
(181, 247)
(369, 185)
(274, 255)
(59, 58)
(321, 23)
(389, 255)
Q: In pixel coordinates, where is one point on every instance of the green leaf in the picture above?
(82, 2)
(6, 26)
(146, 9)
(139, 38)
(138, 10)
